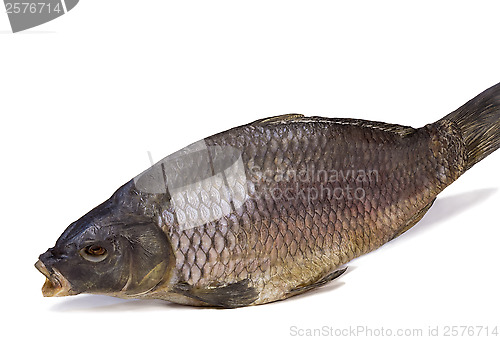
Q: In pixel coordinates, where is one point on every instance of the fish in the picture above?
(268, 210)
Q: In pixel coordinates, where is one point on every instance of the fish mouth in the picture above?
(55, 283)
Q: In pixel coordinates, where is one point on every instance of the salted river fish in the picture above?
(267, 210)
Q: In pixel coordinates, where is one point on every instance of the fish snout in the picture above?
(55, 254)
(55, 283)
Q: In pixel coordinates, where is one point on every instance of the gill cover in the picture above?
(147, 254)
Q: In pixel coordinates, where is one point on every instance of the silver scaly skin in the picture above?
(267, 210)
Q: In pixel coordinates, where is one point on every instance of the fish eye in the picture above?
(94, 253)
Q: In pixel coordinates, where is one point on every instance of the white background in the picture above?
(84, 97)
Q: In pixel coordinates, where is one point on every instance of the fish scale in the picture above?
(270, 240)
(268, 210)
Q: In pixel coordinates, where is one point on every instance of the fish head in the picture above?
(108, 251)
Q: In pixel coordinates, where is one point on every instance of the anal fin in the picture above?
(415, 219)
(318, 283)
(232, 295)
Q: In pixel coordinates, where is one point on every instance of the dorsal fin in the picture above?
(299, 118)
(395, 128)
(275, 119)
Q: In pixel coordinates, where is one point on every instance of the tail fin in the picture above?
(479, 121)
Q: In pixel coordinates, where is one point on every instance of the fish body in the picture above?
(267, 210)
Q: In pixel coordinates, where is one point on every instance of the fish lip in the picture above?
(55, 283)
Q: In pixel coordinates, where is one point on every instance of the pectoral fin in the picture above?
(232, 295)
